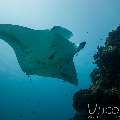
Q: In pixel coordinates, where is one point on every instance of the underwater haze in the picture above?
(33, 97)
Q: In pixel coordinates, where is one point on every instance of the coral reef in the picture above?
(101, 100)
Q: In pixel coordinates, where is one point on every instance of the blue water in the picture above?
(44, 98)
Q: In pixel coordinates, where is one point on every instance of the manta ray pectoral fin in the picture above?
(65, 33)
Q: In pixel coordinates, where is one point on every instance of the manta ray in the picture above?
(47, 52)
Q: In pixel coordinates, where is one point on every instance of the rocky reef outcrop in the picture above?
(102, 100)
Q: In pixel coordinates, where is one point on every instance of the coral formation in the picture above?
(101, 100)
